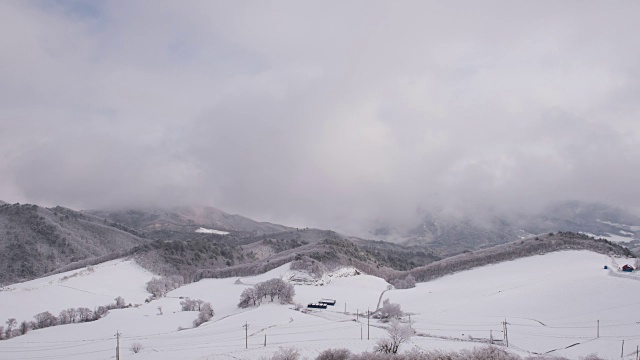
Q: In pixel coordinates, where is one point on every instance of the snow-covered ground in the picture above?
(549, 302)
(202, 230)
(623, 238)
(88, 287)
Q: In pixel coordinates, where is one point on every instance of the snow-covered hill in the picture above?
(549, 302)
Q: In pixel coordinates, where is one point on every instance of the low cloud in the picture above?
(320, 114)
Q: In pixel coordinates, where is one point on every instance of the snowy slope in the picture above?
(78, 288)
(549, 301)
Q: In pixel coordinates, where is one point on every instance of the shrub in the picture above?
(206, 313)
(284, 354)
(136, 347)
(334, 354)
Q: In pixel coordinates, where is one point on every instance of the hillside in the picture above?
(537, 245)
(551, 302)
(182, 222)
(450, 233)
(36, 240)
(220, 255)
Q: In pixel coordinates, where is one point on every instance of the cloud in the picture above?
(327, 114)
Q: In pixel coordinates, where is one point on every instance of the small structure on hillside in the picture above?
(606, 267)
(329, 302)
(316, 306)
(627, 268)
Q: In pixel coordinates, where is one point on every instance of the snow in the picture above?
(611, 237)
(549, 301)
(202, 230)
(78, 288)
(304, 278)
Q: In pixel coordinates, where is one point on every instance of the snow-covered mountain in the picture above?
(454, 232)
(552, 304)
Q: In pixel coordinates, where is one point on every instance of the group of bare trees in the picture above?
(205, 310)
(46, 319)
(406, 283)
(159, 287)
(274, 288)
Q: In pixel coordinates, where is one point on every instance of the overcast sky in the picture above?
(320, 113)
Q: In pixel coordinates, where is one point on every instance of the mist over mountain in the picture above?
(455, 232)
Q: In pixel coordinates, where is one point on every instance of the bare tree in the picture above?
(11, 323)
(85, 314)
(389, 311)
(249, 297)
(73, 315)
(64, 317)
(45, 319)
(398, 333)
(25, 326)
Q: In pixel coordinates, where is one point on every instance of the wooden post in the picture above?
(117, 345)
(246, 335)
(598, 331)
(622, 353)
(368, 324)
(265, 340)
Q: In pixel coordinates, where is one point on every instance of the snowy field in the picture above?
(202, 230)
(550, 302)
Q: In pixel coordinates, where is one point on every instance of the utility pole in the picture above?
(598, 332)
(246, 335)
(637, 351)
(357, 313)
(491, 337)
(506, 333)
(622, 353)
(265, 340)
(361, 333)
(368, 323)
(117, 345)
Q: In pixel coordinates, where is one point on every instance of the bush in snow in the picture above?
(119, 302)
(406, 283)
(591, 357)
(334, 354)
(136, 347)
(284, 354)
(397, 333)
(388, 311)
(206, 313)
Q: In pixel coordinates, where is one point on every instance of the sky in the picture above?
(320, 113)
